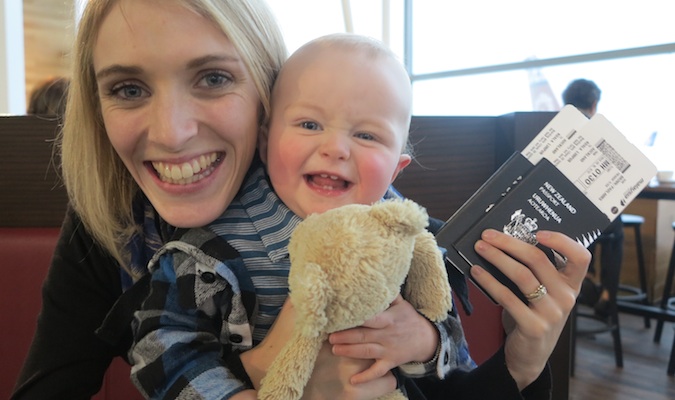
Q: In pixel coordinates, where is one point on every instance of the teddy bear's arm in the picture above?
(291, 369)
(427, 287)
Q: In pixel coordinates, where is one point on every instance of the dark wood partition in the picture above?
(453, 157)
(516, 130)
(31, 192)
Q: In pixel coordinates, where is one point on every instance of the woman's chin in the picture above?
(190, 217)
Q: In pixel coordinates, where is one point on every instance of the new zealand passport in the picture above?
(575, 177)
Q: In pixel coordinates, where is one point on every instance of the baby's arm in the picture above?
(331, 375)
(401, 336)
(177, 331)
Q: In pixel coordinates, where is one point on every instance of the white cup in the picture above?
(664, 176)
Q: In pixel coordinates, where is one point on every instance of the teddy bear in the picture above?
(347, 265)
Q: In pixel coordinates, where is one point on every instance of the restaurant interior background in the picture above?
(476, 58)
(483, 57)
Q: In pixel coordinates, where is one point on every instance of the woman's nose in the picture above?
(172, 121)
(335, 145)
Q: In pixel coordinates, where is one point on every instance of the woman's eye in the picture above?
(128, 91)
(311, 125)
(214, 80)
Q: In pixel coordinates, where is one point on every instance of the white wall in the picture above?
(12, 64)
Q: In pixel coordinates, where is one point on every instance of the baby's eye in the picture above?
(310, 125)
(364, 136)
(214, 80)
(128, 91)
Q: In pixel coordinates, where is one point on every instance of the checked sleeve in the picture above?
(192, 319)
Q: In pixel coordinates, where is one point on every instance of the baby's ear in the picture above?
(263, 135)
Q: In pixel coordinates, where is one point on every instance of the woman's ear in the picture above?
(263, 135)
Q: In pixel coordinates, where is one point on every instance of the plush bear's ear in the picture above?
(404, 216)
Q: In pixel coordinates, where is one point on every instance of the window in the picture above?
(483, 57)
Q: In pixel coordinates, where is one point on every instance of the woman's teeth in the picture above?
(187, 172)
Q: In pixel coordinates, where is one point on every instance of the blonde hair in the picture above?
(100, 188)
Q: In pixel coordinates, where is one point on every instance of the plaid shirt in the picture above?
(205, 305)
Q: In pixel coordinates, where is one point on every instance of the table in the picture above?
(662, 313)
(658, 191)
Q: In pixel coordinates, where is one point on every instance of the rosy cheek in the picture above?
(122, 135)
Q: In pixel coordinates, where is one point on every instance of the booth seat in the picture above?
(25, 255)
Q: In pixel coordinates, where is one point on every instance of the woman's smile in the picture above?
(187, 172)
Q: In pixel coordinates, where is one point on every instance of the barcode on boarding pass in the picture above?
(613, 156)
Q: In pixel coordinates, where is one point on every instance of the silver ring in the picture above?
(559, 260)
(537, 294)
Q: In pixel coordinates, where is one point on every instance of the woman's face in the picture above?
(179, 107)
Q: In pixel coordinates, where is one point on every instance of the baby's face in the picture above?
(339, 123)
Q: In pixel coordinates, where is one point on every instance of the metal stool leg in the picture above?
(609, 323)
(639, 295)
(642, 270)
(573, 345)
(671, 362)
(616, 334)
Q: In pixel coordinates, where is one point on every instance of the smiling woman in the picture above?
(133, 103)
(176, 108)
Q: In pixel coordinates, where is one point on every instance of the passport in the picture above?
(576, 176)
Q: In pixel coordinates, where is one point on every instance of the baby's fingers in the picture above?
(379, 369)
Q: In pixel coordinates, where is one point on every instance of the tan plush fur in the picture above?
(347, 265)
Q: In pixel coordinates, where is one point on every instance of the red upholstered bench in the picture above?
(25, 256)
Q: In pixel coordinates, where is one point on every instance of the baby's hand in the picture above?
(394, 337)
(332, 379)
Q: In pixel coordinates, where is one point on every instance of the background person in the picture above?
(584, 95)
(49, 97)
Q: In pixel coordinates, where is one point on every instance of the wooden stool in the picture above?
(632, 293)
(668, 302)
(596, 324)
